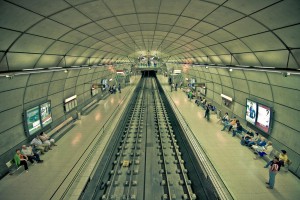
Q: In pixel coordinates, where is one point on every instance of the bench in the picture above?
(89, 107)
(12, 167)
(61, 129)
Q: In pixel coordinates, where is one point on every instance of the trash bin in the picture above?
(78, 115)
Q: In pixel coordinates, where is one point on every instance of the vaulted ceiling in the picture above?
(50, 33)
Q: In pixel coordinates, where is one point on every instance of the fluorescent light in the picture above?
(70, 98)
(226, 97)
(33, 69)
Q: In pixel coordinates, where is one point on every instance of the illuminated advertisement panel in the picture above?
(33, 121)
(263, 118)
(251, 111)
(45, 110)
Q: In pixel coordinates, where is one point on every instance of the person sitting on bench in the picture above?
(262, 151)
(225, 118)
(238, 128)
(27, 151)
(229, 124)
(21, 159)
(46, 139)
(38, 144)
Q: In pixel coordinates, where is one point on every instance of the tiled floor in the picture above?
(244, 176)
(43, 180)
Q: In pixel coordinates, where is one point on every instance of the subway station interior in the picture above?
(134, 92)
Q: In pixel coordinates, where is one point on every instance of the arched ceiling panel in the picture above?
(59, 48)
(73, 37)
(18, 61)
(43, 7)
(31, 44)
(222, 36)
(263, 42)
(95, 10)
(7, 37)
(48, 61)
(279, 15)
(274, 58)
(290, 35)
(212, 31)
(245, 7)
(49, 28)
(71, 17)
(204, 28)
(16, 18)
(90, 29)
(245, 27)
(235, 46)
(248, 59)
(193, 9)
(173, 7)
(223, 16)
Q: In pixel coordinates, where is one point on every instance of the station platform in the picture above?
(243, 176)
(67, 167)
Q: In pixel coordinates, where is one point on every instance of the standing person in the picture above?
(176, 85)
(283, 159)
(190, 95)
(275, 167)
(114, 89)
(207, 113)
(119, 88)
(21, 159)
(180, 85)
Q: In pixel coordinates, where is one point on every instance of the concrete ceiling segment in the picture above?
(226, 32)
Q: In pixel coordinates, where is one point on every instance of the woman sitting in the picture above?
(21, 159)
(237, 129)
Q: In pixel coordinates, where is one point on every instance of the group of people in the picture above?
(41, 142)
(174, 86)
(261, 148)
(232, 124)
(113, 89)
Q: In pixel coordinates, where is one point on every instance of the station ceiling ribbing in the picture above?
(49, 33)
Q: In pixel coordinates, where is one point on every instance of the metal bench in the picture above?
(61, 129)
(12, 167)
(89, 107)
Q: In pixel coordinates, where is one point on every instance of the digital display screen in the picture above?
(251, 111)
(263, 118)
(45, 110)
(33, 120)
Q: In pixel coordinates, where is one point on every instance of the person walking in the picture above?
(275, 167)
(207, 113)
(119, 88)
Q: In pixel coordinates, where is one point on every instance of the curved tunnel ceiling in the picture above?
(50, 33)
